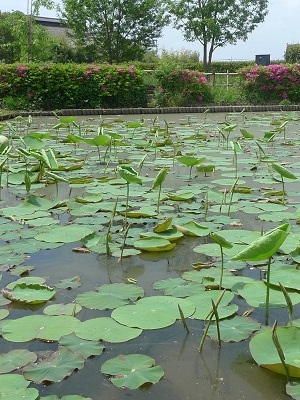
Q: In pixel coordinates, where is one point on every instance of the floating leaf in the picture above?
(62, 309)
(193, 229)
(54, 369)
(29, 294)
(234, 329)
(15, 387)
(106, 329)
(70, 283)
(44, 327)
(110, 296)
(86, 348)
(132, 370)
(153, 312)
(154, 244)
(65, 234)
(15, 359)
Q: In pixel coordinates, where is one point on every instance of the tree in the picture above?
(216, 23)
(292, 53)
(14, 45)
(116, 30)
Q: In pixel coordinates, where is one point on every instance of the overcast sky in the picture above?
(281, 27)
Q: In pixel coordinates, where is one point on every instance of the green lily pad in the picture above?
(70, 283)
(293, 389)
(178, 287)
(87, 348)
(15, 387)
(29, 294)
(255, 295)
(203, 304)
(132, 370)
(193, 229)
(44, 327)
(65, 234)
(110, 296)
(62, 309)
(15, 359)
(265, 353)
(106, 329)
(234, 329)
(289, 278)
(153, 312)
(54, 369)
(154, 244)
(3, 314)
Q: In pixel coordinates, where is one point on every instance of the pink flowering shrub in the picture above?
(181, 87)
(55, 86)
(272, 83)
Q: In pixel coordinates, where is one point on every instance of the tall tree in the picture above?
(117, 30)
(216, 23)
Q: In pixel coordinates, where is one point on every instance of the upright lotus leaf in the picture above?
(15, 387)
(163, 226)
(29, 293)
(283, 172)
(158, 181)
(264, 352)
(265, 246)
(15, 359)
(58, 366)
(4, 142)
(43, 327)
(132, 370)
(246, 134)
(129, 175)
(190, 161)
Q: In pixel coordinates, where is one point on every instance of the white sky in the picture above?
(281, 27)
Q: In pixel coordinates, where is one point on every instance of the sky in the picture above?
(281, 27)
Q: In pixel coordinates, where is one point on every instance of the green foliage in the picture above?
(292, 53)
(216, 24)
(271, 84)
(181, 87)
(54, 86)
(116, 30)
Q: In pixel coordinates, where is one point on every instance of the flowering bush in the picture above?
(272, 83)
(181, 87)
(55, 86)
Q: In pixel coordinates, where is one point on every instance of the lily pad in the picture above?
(29, 294)
(153, 312)
(54, 369)
(234, 329)
(62, 309)
(15, 387)
(110, 296)
(154, 244)
(15, 359)
(132, 370)
(44, 327)
(106, 329)
(65, 234)
(87, 348)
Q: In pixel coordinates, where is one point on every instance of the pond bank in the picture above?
(156, 110)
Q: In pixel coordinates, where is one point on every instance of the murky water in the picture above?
(226, 373)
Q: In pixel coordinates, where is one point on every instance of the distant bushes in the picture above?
(274, 83)
(181, 87)
(56, 86)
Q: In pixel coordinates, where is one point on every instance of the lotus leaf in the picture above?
(15, 359)
(15, 387)
(54, 369)
(264, 352)
(132, 370)
(106, 329)
(29, 293)
(234, 329)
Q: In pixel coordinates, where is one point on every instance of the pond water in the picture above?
(226, 372)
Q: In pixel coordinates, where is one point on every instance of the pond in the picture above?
(113, 230)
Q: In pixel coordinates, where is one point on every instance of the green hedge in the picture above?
(272, 84)
(56, 86)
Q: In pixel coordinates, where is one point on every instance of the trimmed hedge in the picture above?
(56, 86)
(272, 84)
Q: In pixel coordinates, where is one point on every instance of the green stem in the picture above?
(127, 200)
(268, 291)
(222, 267)
(158, 200)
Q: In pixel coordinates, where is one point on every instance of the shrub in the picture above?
(55, 86)
(272, 83)
(181, 87)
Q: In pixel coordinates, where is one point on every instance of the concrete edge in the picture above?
(154, 110)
